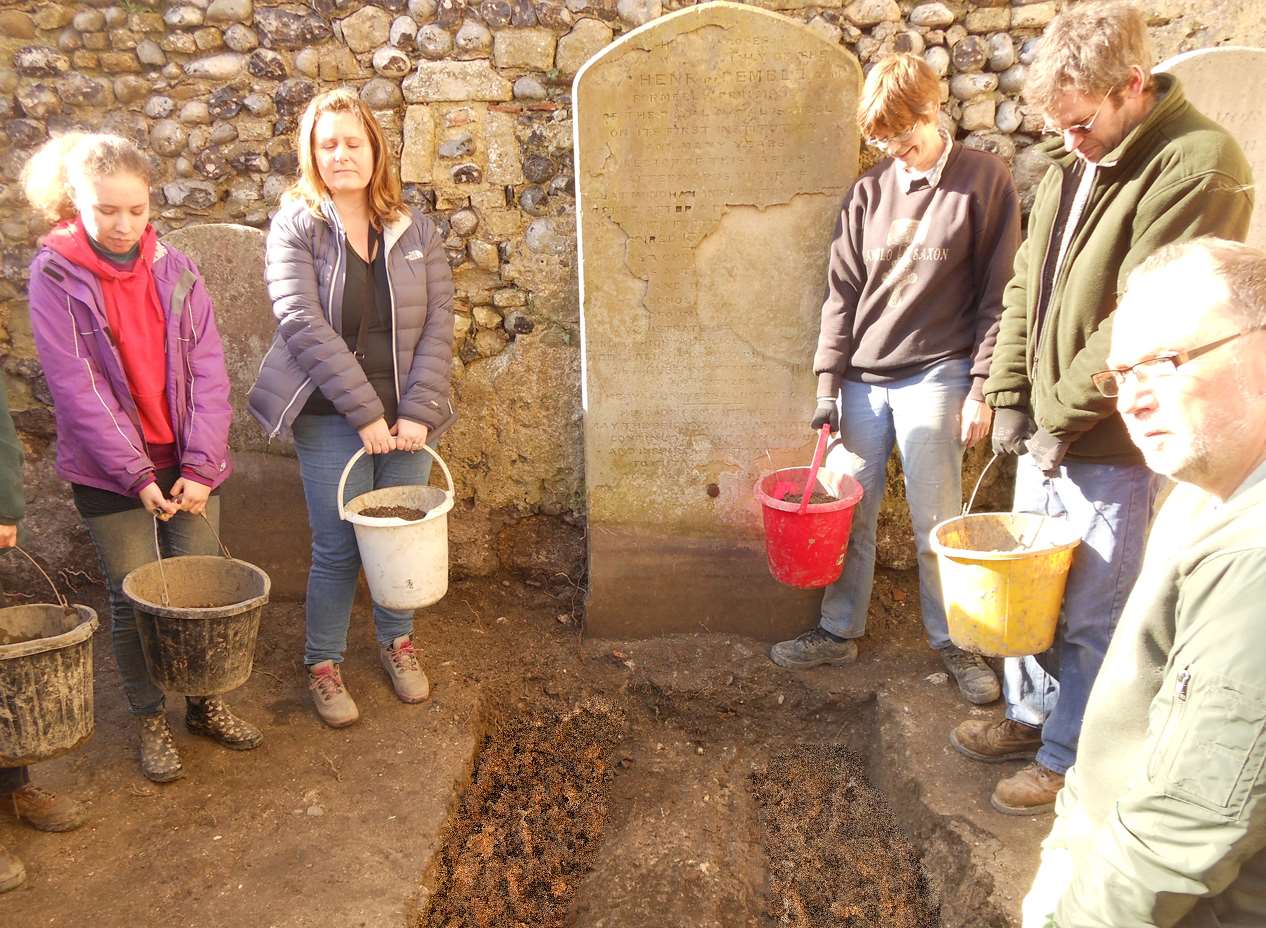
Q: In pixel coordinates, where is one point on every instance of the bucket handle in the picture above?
(158, 552)
(979, 480)
(347, 469)
(818, 454)
(61, 600)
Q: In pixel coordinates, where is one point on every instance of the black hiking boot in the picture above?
(811, 649)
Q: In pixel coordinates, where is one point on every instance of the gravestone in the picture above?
(1226, 85)
(713, 148)
(263, 515)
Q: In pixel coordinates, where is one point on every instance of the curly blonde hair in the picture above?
(385, 201)
(66, 162)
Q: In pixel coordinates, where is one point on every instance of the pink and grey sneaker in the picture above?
(333, 703)
(401, 663)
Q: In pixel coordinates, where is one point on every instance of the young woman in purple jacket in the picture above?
(363, 296)
(127, 338)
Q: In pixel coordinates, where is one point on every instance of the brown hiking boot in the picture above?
(994, 742)
(333, 703)
(212, 718)
(401, 663)
(160, 761)
(1029, 791)
(44, 810)
(12, 873)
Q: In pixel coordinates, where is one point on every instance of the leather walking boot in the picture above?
(995, 742)
(1029, 791)
(45, 810)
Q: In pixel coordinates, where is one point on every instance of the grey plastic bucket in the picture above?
(45, 681)
(198, 618)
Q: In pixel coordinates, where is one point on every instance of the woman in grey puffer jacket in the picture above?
(363, 296)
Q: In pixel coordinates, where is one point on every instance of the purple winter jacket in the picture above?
(99, 439)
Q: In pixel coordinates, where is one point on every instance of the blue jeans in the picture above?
(1108, 506)
(921, 415)
(125, 541)
(324, 445)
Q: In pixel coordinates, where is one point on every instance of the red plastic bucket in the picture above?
(807, 549)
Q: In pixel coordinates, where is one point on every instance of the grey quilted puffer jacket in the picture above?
(306, 266)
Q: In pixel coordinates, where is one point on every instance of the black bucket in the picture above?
(45, 679)
(198, 618)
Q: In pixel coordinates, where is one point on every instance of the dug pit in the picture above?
(692, 809)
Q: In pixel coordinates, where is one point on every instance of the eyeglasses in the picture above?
(895, 143)
(1081, 128)
(1109, 382)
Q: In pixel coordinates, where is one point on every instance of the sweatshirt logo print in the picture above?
(901, 247)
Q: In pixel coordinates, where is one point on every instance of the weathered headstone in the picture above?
(1226, 85)
(263, 512)
(714, 146)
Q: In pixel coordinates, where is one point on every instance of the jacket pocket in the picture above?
(1223, 746)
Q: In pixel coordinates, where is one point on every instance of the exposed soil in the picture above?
(817, 497)
(836, 855)
(408, 513)
(527, 826)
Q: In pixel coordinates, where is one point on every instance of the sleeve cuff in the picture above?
(977, 389)
(828, 383)
(190, 474)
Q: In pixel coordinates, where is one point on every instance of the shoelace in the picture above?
(403, 658)
(328, 685)
(32, 793)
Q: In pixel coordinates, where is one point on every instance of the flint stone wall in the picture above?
(477, 94)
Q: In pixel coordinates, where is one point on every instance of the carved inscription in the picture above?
(714, 149)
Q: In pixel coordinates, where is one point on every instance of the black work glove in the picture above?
(1011, 427)
(1047, 451)
(827, 411)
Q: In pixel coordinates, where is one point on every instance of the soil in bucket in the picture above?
(817, 497)
(408, 513)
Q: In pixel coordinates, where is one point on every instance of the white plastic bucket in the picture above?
(406, 562)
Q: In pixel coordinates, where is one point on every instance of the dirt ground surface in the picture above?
(550, 780)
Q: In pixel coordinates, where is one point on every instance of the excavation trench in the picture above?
(656, 807)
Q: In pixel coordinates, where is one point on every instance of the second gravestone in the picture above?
(714, 147)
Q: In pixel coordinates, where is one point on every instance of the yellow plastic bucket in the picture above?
(1002, 580)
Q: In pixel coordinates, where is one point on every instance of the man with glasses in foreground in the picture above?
(1134, 167)
(1162, 820)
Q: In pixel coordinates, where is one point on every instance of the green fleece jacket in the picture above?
(1164, 812)
(1178, 175)
(12, 506)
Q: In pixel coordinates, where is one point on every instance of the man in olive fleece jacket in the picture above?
(1162, 820)
(40, 808)
(1139, 168)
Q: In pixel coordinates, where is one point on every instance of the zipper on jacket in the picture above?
(395, 360)
(1184, 684)
(329, 317)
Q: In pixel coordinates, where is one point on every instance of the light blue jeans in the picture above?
(921, 415)
(1108, 507)
(324, 445)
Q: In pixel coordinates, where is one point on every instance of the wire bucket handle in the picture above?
(61, 600)
(979, 480)
(347, 469)
(158, 551)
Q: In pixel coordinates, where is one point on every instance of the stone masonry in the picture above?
(476, 96)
